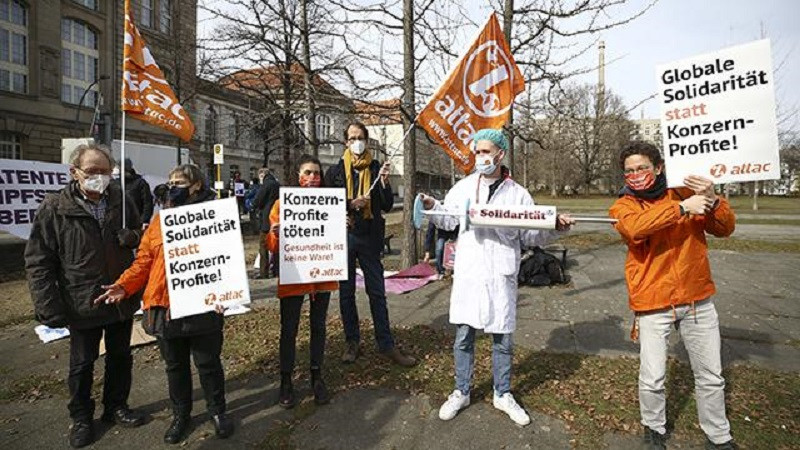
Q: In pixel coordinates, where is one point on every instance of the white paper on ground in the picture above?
(47, 334)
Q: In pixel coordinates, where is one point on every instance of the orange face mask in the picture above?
(640, 181)
(310, 180)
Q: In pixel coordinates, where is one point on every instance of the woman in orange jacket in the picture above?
(291, 300)
(669, 284)
(199, 336)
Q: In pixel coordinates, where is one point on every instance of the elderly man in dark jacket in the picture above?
(263, 201)
(369, 195)
(77, 244)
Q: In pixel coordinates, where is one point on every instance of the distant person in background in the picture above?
(78, 243)
(139, 191)
(238, 188)
(265, 197)
(435, 238)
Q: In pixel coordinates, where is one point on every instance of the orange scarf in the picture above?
(361, 164)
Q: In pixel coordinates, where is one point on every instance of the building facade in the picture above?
(60, 70)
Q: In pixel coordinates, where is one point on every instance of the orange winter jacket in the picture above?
(148, 269)
(667, 263)
(291, 290)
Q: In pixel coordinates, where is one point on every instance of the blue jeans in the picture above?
(440, 255)
(367, 252)
(464, 353)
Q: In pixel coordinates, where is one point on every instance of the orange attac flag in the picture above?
(146, 95)
(477, 93)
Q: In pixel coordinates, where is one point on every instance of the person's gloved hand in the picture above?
(128, 238)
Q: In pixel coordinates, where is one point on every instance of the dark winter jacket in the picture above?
(265, 198)
(382, 200)
(70, 255)
(138, 190)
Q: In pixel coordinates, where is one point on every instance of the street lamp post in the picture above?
(83, 96)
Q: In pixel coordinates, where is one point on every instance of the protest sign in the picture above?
(477, 93)
(313, 235)
(238, 189)
(204, 257)
(23, 185)
(718, 116)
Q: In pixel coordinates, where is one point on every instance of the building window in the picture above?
(165, 16)
(79, 63)
(10, 146)
(91, 4)
(210, 124)
(323, 127)
(13, 46)
(232, 169)
(146, 18)
(233, 129)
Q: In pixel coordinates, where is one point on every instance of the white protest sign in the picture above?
(23, 185)
(313, 235)
(204, 257)
(238, 189)
(718, 116)
(219, 154)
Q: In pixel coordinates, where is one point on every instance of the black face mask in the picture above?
(177, 195)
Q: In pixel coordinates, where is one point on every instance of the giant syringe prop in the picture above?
(533, 217)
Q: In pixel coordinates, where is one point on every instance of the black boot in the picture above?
(223, 426)
(177, 430)
(286, 398)
(81, 434)
(321, 395)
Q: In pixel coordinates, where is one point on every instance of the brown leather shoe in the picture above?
(399, 358)
(351, 352)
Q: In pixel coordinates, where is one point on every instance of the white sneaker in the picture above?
(456, 402)
(508, 405)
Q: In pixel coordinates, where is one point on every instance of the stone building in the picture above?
(61, 70)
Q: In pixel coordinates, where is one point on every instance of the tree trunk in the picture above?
(409, 256)
(508, 19)
(311, 142)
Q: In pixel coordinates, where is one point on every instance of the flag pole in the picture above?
(394, 152)
(122, 169)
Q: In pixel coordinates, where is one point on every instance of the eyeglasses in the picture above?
(90, 172)
(353, 139)
(177, 184)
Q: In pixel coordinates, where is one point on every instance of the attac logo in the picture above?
(488, 86)
(315, 272)
(718, 170)
(212, 298)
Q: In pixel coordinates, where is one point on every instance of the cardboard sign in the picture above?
(238, 189)
(313, 235)
(204, 257)
(718, 116)
(23, 185)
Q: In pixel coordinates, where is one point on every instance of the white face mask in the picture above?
(358, 147)
(96, 183)
(484, 164)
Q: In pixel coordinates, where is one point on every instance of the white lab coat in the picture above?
(484, 294)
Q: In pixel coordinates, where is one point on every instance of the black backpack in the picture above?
(539, 268)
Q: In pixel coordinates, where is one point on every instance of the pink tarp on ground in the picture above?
(406, 280)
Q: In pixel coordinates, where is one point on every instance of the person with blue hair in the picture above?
(484, 294)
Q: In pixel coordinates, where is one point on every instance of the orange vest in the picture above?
(148, 269)
(291, 290)
(667, 263)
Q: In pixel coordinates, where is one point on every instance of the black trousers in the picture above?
(84, 349)
(205, 349)
(290, 319)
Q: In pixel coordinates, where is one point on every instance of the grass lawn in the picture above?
(741, 204)
(593, 395)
